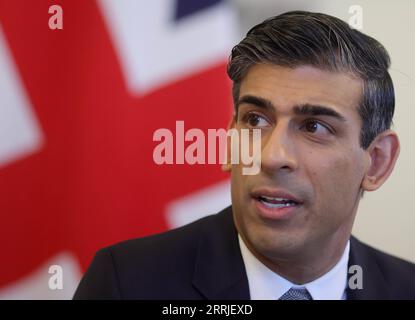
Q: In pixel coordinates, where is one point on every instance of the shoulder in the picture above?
(157, 266)
(397, 274)
(177, 241)
(182, 240)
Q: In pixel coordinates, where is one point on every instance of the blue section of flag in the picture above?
(188, 7)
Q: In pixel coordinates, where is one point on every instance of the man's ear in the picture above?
(228, 165)
(383, 153)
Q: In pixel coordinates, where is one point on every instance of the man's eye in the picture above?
(255, 120)
(315, 127)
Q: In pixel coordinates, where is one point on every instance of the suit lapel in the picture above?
(374, 285)
(219, 268)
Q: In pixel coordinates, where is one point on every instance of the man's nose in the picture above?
(279, 150)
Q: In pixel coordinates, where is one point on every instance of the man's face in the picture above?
(310, 154)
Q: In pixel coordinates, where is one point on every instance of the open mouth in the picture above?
(274, 202)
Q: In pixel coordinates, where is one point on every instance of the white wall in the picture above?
(386, 217)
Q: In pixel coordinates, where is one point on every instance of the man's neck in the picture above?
(306, 265)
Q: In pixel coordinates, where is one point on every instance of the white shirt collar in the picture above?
(264, 284)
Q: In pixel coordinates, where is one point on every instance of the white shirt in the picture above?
(265, 284)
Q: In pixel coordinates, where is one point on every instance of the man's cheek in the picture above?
(342, 185)
(238, 183)
(330, 180)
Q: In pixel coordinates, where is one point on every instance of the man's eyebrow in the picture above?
(317, 110)
(256, 101)
(306, 109)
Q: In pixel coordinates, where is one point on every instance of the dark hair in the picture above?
(305, 38)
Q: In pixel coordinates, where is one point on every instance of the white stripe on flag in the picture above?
(154, 50)
(20, 133)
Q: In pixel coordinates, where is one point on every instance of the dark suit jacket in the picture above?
(202, 260)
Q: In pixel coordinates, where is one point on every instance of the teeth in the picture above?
(277, 205)
(275, 199)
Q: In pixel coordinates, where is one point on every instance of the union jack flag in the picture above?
(78, 108)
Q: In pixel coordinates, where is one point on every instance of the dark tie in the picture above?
(296, 294)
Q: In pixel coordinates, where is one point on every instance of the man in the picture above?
(322, 97)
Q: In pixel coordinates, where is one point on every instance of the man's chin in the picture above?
(276, 246)
(285, 247)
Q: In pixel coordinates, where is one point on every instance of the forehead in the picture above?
(286, 87)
